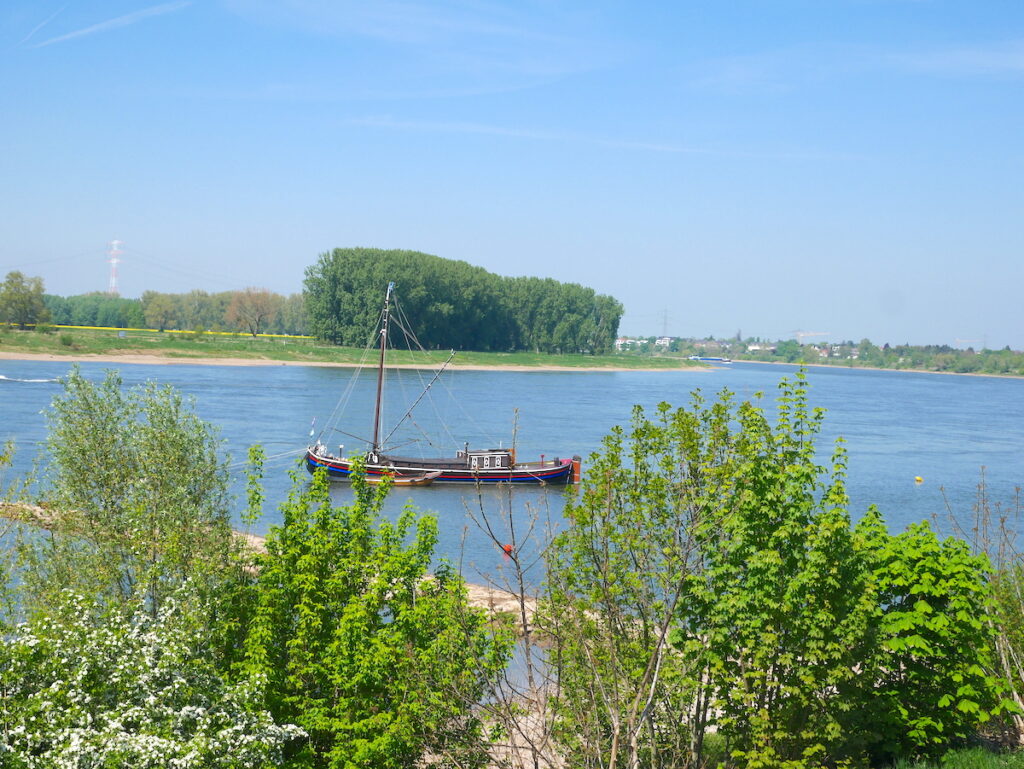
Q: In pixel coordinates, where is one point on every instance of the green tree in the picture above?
(58, 309)
(616, 577)
(782, 608)
(454, 304)
(802, 642)
(135, 483)
(932, 666)
(292, 317)
(377, 661)
(159, 310)
(21, 300)
(789, 350)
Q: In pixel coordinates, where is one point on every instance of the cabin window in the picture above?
(487, 461)
(472, 463)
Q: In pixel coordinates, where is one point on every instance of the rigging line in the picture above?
(408, 413)
(412, 344)
(423, 432)
(351, 435)
(465, 416)
(342, 403)
(410, 337)
(290, 452)
(405, 325)
(400, 445)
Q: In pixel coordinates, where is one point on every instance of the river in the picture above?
(897, 426)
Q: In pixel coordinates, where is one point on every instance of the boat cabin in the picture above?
(487, 459)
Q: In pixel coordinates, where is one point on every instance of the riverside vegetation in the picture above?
(707, 603)
(451, 304)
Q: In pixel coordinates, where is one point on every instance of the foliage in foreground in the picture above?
(379, 662)
(709, 601)
(139, 490)
(104, 686)
(152, 640)
(710, 580)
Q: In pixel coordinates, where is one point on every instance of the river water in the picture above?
(897, 426)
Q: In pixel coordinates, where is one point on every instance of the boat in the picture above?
(404, 480)
(468, 466)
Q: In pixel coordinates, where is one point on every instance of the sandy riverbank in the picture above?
(492, 599)
(145, 359)
(878, 368)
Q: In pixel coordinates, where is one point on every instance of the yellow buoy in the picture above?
(918, 479)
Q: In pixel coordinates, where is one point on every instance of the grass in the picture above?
(79, 341)
(972, 758)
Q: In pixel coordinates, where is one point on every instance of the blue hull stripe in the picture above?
(556, 474)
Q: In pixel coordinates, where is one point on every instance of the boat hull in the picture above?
(558, 471)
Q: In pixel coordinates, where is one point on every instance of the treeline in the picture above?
(901, 356)
(253, 310)
(931, 357)
(454, 304)
(708, 602)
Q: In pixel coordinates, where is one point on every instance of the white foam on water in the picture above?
(29, 381)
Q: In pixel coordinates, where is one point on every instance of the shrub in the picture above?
(104, 687)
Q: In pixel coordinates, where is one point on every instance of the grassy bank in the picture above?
(975, 758)
(80, 342)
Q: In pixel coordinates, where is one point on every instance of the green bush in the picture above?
(378, 662)
(799, 641)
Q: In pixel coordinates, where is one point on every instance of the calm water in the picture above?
(897, 426)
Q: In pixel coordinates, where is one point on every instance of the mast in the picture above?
(380, 368)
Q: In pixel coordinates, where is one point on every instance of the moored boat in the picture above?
(467, 466)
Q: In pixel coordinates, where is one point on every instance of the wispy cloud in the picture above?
(115, 23)
(791, 69)
(42, 24)
(455, 127)
(997, 59)
(533, 37)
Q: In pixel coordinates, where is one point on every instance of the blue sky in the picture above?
(854, 167)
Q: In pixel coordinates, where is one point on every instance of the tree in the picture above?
(616, 577)
(105, 686)
(800, 641)
(376, 660)
(252, 309)
(134, 479)
(21, 300)
(781, 610)
(454, 304)
(292, 318)
(934, 661)
(159, 310)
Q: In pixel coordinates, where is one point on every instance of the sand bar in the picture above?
(148, 359)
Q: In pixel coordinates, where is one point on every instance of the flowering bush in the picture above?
(121, 688)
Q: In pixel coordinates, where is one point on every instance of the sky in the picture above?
(852, 168)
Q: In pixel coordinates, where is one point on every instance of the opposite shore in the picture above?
(150, 359)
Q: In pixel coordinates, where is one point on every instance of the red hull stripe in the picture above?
(560, 472)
